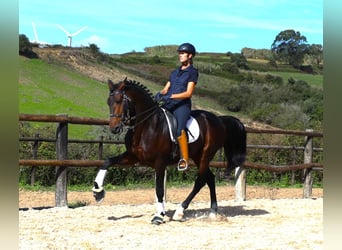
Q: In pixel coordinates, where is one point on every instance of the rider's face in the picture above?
(184, 57)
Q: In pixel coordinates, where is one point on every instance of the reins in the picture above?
(154, 108)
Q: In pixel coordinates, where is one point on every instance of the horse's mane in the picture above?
(140, 88)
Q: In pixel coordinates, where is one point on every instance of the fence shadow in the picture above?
(34, 208)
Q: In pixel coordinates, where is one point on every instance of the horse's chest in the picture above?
(138, 152)
(142, 152)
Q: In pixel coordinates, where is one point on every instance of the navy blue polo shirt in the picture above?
(179, 79)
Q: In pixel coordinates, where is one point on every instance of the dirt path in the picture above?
(268, 219)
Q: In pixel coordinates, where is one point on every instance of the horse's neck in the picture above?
(143, 109)
(146, 113)
(142, 103)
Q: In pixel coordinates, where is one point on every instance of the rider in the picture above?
(177, 94)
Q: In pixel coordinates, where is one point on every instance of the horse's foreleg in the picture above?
(98, 191)
(160, 203)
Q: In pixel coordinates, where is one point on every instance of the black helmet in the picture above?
(187, 47)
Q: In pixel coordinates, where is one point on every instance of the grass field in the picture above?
(47, 89)
(315, 81)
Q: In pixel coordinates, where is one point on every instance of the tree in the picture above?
(94, 49)
(316, 51)
(290, 46)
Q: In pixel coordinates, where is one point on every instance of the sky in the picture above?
(121, 26)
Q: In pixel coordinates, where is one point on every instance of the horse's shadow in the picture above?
(114, 218)
(223, 211)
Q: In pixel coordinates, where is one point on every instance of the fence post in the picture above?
(61, 171)
(240, 183)
(308, 180)
(293, 172)
(35, 156)
(101, 148)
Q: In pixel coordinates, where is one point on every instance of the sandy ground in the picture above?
(270, 218)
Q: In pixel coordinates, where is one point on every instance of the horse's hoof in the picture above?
(157, 219)
(99, 197)
(98, 193)
(213, 215)
(178, 215)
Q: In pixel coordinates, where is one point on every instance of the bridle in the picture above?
(128, 114)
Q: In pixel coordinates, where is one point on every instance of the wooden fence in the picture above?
(62, 162)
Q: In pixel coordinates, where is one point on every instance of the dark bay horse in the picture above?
(148, 142)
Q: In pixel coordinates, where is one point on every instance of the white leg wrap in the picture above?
(178, 215)
(100, 177)
(160, 208)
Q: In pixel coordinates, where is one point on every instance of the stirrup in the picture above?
(181, 162)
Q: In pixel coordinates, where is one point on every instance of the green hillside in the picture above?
(52, 89)
(73, 81)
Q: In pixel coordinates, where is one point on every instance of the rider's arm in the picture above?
(185, 94)
(166, 88)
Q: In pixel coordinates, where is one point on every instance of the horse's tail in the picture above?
(235, 145)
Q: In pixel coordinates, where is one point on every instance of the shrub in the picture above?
(273, 79)
(230, 67)
(239, 60)
(25, 47)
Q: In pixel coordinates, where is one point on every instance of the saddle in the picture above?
(192, 127)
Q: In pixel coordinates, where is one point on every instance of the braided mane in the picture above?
(140, 88)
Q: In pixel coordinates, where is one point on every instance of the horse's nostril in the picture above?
(115, 130)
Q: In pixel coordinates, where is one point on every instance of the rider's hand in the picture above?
(158, 97)
(166, 97)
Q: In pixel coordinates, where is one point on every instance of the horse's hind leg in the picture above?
(199, 183)
(212, 189)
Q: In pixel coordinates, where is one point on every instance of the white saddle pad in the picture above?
(193, 127)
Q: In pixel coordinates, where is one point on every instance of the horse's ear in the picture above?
(125, 80)
(110, 85)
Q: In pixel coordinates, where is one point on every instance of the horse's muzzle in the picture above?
(116, 129)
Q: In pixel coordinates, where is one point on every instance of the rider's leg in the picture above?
(182, 114)
(184, 151)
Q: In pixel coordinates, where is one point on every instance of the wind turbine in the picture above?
(71, 35)
(36, 40)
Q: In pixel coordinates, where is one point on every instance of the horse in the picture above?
(148, 142)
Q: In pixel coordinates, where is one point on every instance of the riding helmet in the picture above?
(187, 47)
